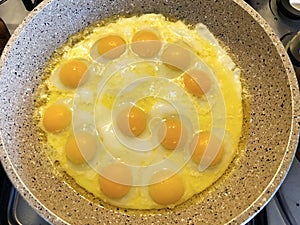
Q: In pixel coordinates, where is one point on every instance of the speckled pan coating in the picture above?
(273, 120)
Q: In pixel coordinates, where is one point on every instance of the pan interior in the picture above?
(270, 133)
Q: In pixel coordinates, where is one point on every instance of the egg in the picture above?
(176, 57)
(132, 121)
(152, 116)
(197, 82)
(173, 133)
(206, 146)
(165, 188)
(73, 73)
(110, 47)
(81, 147)
(146, 43)
(115, 180)
(56, 118)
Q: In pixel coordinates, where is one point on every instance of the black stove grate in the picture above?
(30, 5)
(5, 189)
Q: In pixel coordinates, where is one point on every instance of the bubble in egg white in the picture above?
(85, 95)
(83, 119)
(102, 118)
(66, 101)
(162, 109)
(117, 75)
(112, 145)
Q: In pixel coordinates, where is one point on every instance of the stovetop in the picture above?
(282, 209)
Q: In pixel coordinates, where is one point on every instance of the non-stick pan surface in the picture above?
(271, 119)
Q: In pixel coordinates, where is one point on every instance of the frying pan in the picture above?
(271, 113)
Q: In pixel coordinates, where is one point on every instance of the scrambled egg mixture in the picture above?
(143, 112)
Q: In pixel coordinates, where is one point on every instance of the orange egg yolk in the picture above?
(81, 147)
(146, 44)
(167, 191)
(56, 118)
(199, 146)
(173, 134)
(74, 73)
(111, 46)
(132, 121)
(197, 82)
(115, 181)
(176, 57)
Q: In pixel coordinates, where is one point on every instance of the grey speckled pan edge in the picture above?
(273, 121)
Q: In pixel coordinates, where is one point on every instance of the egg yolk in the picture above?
(176, 57)
(81, 147)
(207, 143)
(56, 118)
(166, 191)
(197, 82)
(111, 46)
(74, 73)
(115, 180)
(132, 121)
(173, 134)
(146, 44)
